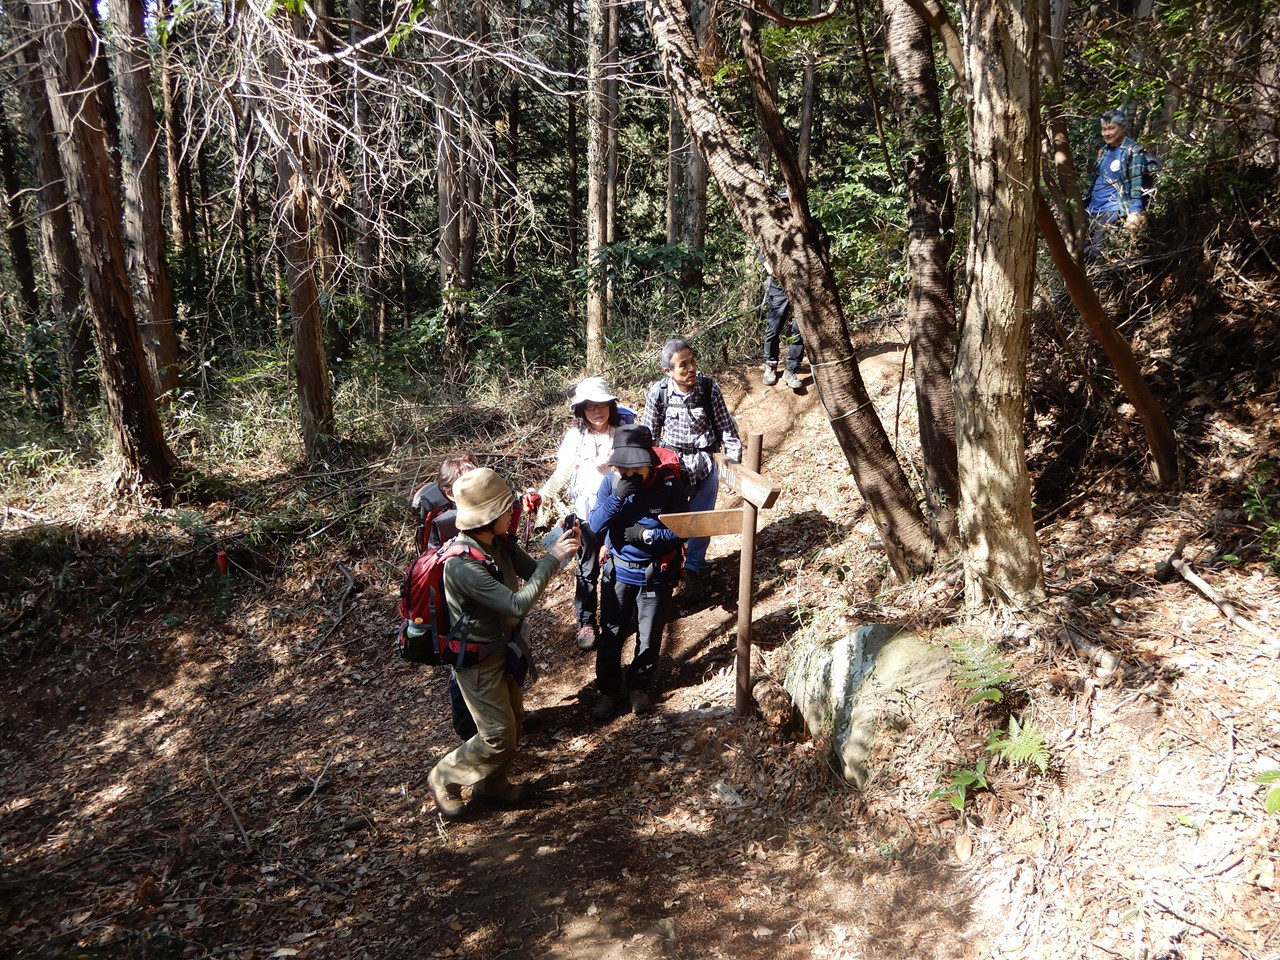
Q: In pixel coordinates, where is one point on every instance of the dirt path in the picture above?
(255, 788)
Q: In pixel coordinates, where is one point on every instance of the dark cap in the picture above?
(632, 447)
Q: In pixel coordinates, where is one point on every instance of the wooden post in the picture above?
(746, 581)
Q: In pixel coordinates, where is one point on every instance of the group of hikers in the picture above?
(615, 476)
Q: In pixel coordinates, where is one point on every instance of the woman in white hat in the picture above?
(494, 609)
(580, 465)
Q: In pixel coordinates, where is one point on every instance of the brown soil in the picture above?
(253, 786)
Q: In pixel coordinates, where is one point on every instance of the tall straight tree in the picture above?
(61, 265)
(457, 180)
(598, 229)
(144, 232)
(931, 311)
(788, 236)
(95, 209)
(182, 218)
(311, 363)
(1001, 555)
(27, 302)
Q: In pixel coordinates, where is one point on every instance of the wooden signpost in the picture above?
(758, 493)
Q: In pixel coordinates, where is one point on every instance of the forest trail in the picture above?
(253, 784)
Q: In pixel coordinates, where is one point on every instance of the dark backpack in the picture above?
(427, 633)
(704, 394)
(428, 504)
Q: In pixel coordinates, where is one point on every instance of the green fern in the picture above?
(981, 668)
(1022, 746)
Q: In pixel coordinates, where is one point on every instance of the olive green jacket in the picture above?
(496, 609)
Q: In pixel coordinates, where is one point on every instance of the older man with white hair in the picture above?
(1117, 197)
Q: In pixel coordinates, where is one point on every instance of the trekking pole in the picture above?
(526, 530)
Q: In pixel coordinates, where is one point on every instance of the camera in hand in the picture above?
(568, 522)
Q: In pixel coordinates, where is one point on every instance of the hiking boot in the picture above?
(640, 702)
(448, 796)
(692, 587)
(605, 707)
(791, 380)
(770, 376)
(586, 637)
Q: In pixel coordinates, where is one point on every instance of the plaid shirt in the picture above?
(691, 431)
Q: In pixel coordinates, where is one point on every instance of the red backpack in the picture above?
(427, 633)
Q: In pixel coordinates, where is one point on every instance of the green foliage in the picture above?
(982, 669)
(1022, 745)
(956, 789)
(988, 674)
(1262, 508)
(1273, 795)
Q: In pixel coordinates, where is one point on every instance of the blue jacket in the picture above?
(612, 516)
(1117, 185)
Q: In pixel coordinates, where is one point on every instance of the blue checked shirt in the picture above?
(690, 430)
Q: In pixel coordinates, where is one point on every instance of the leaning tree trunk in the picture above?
(1161, 442)
(95, 211)
(1002, 557)
(789, 239)
(143, 214)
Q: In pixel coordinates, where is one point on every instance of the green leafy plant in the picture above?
(1262, 507)
(982, 669)
(956, 790)
(1022, 745)
(1273, 795)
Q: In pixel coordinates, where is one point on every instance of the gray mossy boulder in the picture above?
(847, 689)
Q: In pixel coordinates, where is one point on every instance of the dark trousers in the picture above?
(588, 581)
(649, 607)
(779, 315)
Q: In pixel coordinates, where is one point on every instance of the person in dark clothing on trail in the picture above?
(643, 565)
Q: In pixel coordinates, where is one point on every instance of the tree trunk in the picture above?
(574, 216)
(1161, 442)
(457, 192)
(143, 217)
(57, 240)
(371, 272)
(808, 99)
(677, 146)
(16, 224)
(315, 396)
(931, 311)
(597, 186)
(182, 227)
(1060, 178)
(789, 239)
(1002, 558)
(25, 307)
(95, 210)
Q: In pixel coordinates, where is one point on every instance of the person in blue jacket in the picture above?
(1116, 198)
(643, 565)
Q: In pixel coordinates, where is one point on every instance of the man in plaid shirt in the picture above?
(686, 412)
